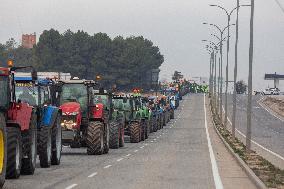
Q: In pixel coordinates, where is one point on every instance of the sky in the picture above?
(175, 26)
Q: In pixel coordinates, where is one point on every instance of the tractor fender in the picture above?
(49, 114)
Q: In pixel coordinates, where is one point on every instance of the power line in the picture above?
(279, 4)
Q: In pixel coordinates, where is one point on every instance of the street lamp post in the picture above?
(249, 105)
(227, 63)
(221, 58)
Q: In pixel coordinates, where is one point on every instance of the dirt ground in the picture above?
(276, 104)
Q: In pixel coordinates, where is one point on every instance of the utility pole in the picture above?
(235, 74)
(249, 105)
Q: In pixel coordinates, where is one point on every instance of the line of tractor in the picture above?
(40, 115)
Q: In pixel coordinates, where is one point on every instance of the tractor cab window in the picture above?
(27, 92)
(75, 93)
(4, 92)
(103, 99)
(118, 103)
(44, 95)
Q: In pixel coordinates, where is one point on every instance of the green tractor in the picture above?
(134, 122)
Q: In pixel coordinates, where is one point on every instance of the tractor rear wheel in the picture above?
(3, 150)
(95, 138)
(45, 147)
(114, 135)
(56, 142)
(29, 139)
(14, 152)
(134, 129)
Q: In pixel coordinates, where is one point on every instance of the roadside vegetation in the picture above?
(120, 61)
(270, 175)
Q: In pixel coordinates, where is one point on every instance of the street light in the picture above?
(235, 74)
(249, 105)
(214, 69)
(228, 49)
(221, 64)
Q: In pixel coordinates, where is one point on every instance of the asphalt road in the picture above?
(178, 156)
(267, 130)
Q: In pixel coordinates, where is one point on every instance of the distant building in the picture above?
(28, 40)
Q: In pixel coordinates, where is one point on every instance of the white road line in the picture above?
(108, 166)
(155, 139)
(273, 153)
(119, 159)
(216, 175)
(71, 186)
(128, 155)
(92, 175)
(135, 150)
(142, 147)
(146, 144)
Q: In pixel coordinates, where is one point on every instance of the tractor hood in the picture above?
(70, 108)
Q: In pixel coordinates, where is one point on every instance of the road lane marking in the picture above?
(128, 155)
(146, 144)
(71, 186)
(155, 139)
(135, 150)
(119, 159)
(151, 141)
(93, 174)
(142, 147)
(108, 166)
(216, 175)
(273, 153)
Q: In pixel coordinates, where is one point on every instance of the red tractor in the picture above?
(84, 123)
(21, 128)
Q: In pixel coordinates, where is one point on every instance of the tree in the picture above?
(241, 87)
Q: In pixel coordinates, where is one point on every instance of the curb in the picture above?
(245, 167)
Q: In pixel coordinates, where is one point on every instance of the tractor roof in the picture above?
(77, 81)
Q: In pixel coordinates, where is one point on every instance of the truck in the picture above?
(83, 121)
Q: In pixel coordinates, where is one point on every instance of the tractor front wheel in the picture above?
(56, 142)
(114, 135)
(121, 138)
(29, 148)
(95, 138)
(44, 147)
(134, 129)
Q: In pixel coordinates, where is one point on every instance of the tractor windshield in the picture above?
(117, 103)
(4, 92)
(104, 99)
(27, 92)
(75, 93)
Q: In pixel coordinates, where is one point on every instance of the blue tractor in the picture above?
(44, 96)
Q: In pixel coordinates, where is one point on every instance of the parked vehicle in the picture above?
(271, 91)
